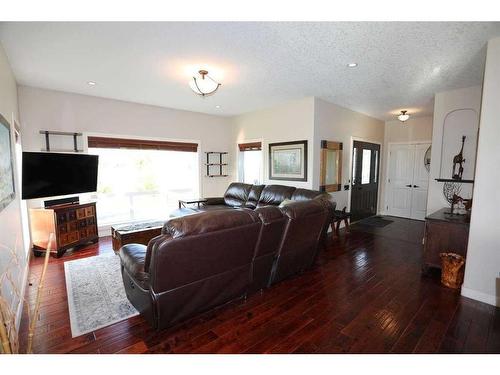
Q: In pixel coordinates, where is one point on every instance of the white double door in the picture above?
(408, 181)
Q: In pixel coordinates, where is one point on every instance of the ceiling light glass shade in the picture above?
(403, 116)
(203, 84)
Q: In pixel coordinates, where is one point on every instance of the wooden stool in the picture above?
(338, 217)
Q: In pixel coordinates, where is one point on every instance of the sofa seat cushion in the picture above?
(214, 200)
(133, 258)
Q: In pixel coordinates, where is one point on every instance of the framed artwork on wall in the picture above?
(288, 161)
(7, 193)
(330, 172)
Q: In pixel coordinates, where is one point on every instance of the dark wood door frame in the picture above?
(364, 197)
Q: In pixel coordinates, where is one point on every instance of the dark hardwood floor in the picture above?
(366, 295)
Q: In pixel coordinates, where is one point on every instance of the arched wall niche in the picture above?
(456, 124)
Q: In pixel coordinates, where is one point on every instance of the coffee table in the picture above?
(138, 232)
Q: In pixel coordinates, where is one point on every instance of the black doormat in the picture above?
(375, 221)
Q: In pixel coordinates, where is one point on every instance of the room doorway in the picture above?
(365, 179)
(408, 180)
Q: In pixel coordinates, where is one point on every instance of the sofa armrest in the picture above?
(133, 257)
(214, 201)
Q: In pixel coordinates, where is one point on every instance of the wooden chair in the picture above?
(338, 217)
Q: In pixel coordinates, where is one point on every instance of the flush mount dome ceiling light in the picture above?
(403, 116)
(203, 84)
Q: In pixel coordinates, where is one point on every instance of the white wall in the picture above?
(444, 104)
(339, 124)
(292, 121)
(11, 233)
(482, 272)
(416, 129)
(54, 110)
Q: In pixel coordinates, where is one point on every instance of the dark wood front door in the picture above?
(365, 168)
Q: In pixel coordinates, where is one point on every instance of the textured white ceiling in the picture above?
(401, 65)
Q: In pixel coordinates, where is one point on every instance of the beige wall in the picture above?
(339, 124)
(482, 271)
(312, 119)
(54, 110)
(292, 121)
(12, 246)
(444, 104)
(416, 129)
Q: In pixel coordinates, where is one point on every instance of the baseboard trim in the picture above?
(480, 296)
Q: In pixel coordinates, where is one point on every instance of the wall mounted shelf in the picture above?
(453, 180)
(48, 133)
(217, 165)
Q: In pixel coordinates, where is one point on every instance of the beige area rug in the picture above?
(96, 296)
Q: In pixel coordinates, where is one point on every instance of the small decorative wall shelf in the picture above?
(453, 180)
(216, 164)
(48, 133)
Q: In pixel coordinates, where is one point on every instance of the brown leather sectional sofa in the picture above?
(240, 195)
(205, 259)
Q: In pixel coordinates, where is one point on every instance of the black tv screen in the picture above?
(50, 174)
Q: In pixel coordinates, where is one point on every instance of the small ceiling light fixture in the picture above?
(91, 83)
(217, 106)
(352, 65)
(403, 116)
(203, 84)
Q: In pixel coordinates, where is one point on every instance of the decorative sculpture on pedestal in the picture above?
(458, 163)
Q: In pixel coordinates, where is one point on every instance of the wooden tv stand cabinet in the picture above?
(72, 225)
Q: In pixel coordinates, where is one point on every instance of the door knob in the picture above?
(416, 186)
(408, 185)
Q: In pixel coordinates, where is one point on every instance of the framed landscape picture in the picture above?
(288, 161)
(6, 168)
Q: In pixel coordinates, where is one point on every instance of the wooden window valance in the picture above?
(252, 146)
(140, 144)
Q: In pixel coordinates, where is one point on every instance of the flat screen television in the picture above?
(51, 174)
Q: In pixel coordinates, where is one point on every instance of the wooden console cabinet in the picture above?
(72, 225)
(444, 233)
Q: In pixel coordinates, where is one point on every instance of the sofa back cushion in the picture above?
(204, 261)
(200, 246)
(207, 222)
(273, 224)
(271, 233)
(305, 194)
(254, 195)
(275, 194)
(236, 194)
(303, 230)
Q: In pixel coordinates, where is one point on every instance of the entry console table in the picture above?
(72, 225)
(444, 233)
